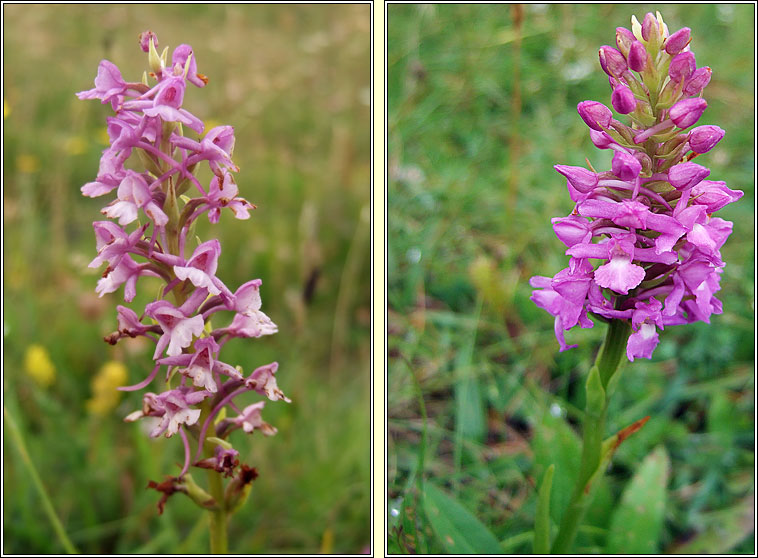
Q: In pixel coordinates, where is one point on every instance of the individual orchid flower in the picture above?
(182, 53)
(178, 328)
(224, 461)
(133, 194)
(174, 407)
(223, 193)
(109, 85)
(113, 243)
(125, 273)
(250, 420)
(263, 381)
(200, 269)
(202, 366)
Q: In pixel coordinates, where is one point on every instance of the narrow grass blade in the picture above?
(542, 522)
(470, 424)
(47, 506)
(456, 528)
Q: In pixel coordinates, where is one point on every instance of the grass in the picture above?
(480, 402)
(294, 81)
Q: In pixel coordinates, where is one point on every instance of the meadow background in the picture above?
(294, 81)
(482, 104)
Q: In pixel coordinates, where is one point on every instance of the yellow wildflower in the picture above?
(39, 366)
(105, 396)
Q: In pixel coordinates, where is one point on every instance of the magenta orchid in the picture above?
(643, 242)
(147, 130)
(649, 219)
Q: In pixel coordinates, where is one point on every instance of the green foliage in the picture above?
(638, 518)
(556, 443)
(542, 519)
(458, 530)
(471, 194)
(294, 82)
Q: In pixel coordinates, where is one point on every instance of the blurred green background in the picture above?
(480, 109)
(294, 81)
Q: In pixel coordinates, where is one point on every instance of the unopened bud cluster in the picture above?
(156, 210)
(648, 220)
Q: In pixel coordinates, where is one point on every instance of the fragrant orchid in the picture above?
(148, 128)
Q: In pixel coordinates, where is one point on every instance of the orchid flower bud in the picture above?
(714, 194)
(596, 115)
(682, 66)
(625, 166)
(572, 230)
(687, 175)
(580, 178)
(601, 140)
(624, 39)
(703, 138)
(623, 99)
(612, 61)
(697, 82)
(687, 111)
(677, 41)
(638, 56)
(144, 40)
(649, 27)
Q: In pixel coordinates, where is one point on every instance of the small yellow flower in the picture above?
(6, 109)
(38, 365)
(105, 396)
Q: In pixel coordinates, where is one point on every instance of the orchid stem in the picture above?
(218, 519)
(218, 523)
(607, 363)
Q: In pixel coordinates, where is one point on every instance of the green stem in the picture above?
(18, 440)
(219, 515)
(607, 363)
(612, 351)
(219, 540)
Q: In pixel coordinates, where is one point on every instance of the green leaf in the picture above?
(458, 530)
(637, 522)
(542, 522)
(556, 442)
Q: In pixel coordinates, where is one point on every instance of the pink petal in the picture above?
(642, 343)
(619, 275)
